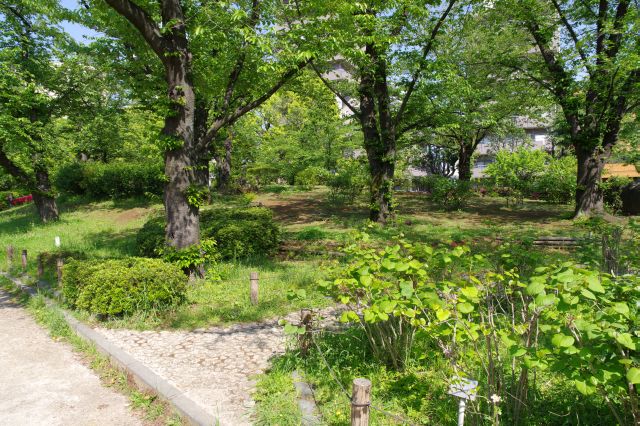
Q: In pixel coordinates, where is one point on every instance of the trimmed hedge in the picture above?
(123, 286)
(110, 180)
(239, 232)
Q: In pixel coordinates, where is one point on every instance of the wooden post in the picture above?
(360, 402)
(24, 261)
(59, 265)
(9, 255)
(40, 267)
(305, 339)
(253, 278)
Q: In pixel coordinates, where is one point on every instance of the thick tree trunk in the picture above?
(183, 220)
(465, 152)
(589, 197)
(379, 136)
(46, 206)
(224, 165)
(381, 167)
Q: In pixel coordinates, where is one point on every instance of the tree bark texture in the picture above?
(379, 136)
(589, 196)
(42, 197)
(465, 152)
(224, 165)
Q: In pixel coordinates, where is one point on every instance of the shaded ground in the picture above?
(44, 383)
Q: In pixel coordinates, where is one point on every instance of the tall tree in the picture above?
(219, 61)
(383, 42)
(34, 90)
(589, 60)
(465, 98)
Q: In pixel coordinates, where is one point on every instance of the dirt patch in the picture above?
(131, 215)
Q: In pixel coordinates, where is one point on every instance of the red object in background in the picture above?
(22, 200)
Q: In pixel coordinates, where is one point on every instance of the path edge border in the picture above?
(142, 375)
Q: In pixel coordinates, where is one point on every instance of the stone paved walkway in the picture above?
(214, 367)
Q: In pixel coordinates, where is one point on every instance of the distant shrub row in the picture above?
(110, 180)
(238, 232)
(123, 286)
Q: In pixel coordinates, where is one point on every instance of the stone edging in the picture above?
(141, 374)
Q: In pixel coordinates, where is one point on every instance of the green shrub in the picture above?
(110, 180)
(558, 182)
(450, 194)
(517, 172)
(311, 176)
(69, 179)
(612, 190)
(238, 232)
(349, 181)
(123, 286)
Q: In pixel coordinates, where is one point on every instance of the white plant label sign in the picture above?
(463, 388)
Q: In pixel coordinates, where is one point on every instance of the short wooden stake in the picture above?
(9, 255)
(305, 339)
(360, 402)
(59, 265)
(253, 278)
(24, 261)
(40, 267)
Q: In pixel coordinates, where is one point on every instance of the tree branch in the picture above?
(13, 169)
(425, 52)
(574, 36)
(140, 19)
(333, 90)
(225, 120)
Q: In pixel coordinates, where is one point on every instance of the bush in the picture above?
(517, 172)
(311, 176)
(612, 191)
(558, 182)
(349, 181)
(238, 232)
(450, 194)
(111, 180)
(123, 286)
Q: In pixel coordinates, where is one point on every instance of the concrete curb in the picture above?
(142, 375)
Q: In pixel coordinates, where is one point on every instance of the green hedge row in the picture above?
(123, 286)
(110, 180)
(239, 232)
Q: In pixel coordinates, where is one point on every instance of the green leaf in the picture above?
(388, 305)
(586, 293)
(443, 314)
(535, 288)
(365, 280)
(593, 283)
(469, 292)
(625, 339)
(621, 308)
(406, 289)
(633, 376)
(465, 308)
(560, 340)
(583, 387)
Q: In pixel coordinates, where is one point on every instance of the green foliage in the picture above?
(532, 172)
(558, 182)
(612, 190)
(349, 181)
(111, 180)
(577, 324)
(192, 257)
(450, 194)
(197, 195)
(238, 232)
(311, 233)
(124, 286)
(311, 176)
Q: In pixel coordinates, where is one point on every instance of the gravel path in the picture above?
(215, 367)
(43, 382)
